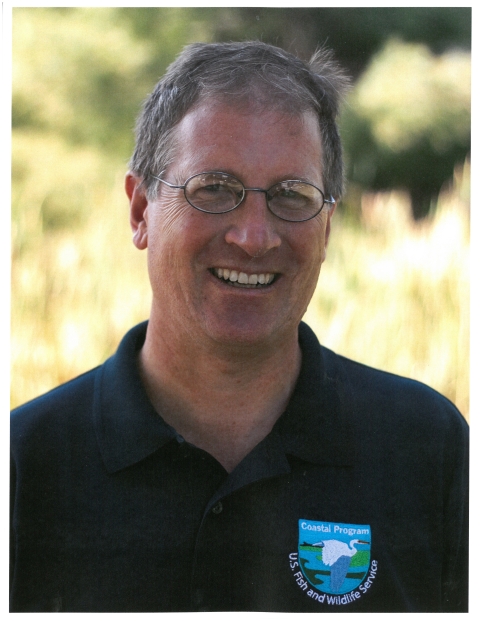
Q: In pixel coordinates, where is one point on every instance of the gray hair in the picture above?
(247, 73)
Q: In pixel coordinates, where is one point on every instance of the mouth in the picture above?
(237, 278)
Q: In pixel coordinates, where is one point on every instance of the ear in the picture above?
(138, 210)
(330, 213)
(327, 230)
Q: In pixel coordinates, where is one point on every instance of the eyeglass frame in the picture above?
(330, 201)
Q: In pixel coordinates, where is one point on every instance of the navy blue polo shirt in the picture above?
(355, 502)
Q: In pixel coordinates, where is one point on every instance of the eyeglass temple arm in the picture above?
(170, 185)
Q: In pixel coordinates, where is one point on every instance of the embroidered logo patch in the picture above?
(334, 557)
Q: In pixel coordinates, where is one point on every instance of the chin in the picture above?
(246, 333)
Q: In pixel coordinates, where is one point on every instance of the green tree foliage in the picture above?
(408, 128)
(356, 34)
(79, 76)
(81, 73)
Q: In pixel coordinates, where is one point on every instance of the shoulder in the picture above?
(383, 388)
(52, 412)
(78, 394)
(385, 406)
(66, 414)
(373, 392)
(372, 395)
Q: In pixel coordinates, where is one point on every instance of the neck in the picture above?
(224, 400)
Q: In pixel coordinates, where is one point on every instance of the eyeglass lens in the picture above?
(219, 193)
(214, 192)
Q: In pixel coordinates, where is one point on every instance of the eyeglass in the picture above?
(218, 192)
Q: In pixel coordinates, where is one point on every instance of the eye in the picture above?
(295, 200)
(288, 193)
(216, 183)
(214, 188)
(215, 191)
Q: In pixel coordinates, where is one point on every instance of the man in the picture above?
(222, 459)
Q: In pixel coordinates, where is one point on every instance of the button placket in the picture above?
(206, 557)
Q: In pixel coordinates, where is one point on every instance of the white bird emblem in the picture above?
(336, 555)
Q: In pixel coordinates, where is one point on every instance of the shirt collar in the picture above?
(313, 427)
(127, 426)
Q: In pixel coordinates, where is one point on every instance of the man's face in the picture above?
(187, 248)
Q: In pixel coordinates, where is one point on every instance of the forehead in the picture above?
(244, 140)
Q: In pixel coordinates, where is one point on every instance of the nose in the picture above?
(254, 227)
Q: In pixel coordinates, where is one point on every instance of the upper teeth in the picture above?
(242, 278)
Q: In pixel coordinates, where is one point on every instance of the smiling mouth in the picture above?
(241, 279)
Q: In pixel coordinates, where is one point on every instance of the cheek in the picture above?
(310, 255)
(169, 218)
(322, 239)
(167, 231)
(312, 245)
(178, 237)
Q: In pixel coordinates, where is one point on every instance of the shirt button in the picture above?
(218, 508)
